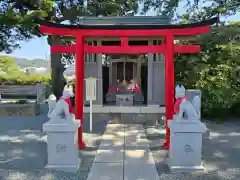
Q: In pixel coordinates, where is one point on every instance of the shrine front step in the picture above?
(125, 118)
(135, 118)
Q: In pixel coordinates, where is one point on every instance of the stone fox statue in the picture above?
(184, 109)
(62, 108)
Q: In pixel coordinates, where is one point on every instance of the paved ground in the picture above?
(124, 154)
(23, 151)
(221, 150)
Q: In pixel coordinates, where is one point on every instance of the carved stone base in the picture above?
(65, 168)
(31, 109)
(185, 151)
(183, 169)
(62, 147)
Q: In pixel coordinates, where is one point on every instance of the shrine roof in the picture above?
(128, 23)
(124, 20)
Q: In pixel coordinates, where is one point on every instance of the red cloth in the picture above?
(131, 89)
(68, 101)
(111, 90)
(178, 102)
(137, 89)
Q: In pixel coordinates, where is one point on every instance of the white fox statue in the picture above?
(184, 109)
(61, 109)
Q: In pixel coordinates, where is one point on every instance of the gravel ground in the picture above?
(23, 152)
(221, 150)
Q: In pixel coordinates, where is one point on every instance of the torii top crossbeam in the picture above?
(168, 32)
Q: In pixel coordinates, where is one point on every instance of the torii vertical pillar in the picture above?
(169, 84)
(79, 94)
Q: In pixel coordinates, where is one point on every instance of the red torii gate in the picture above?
(125, 31)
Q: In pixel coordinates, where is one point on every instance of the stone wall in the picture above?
(31, 109)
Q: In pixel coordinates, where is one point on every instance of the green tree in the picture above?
(213, 69)
(8, 65)
(196, 9)
(16, 22)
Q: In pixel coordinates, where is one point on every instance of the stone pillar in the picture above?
(110, 72)
(135, 70)
(99, 77)
(150, 76)
(139, 71)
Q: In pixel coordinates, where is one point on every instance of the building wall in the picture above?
(35, 70)
(93, 68)
(156, 77)
(159, 82)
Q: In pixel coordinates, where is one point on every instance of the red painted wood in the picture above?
(124, 41)
(79, 99)
(147, 32)
(124, 33)
(109, 49)
(169, 85)
(125, 50)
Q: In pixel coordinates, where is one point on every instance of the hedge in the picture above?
(24, 79)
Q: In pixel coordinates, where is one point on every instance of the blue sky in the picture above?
(38, 47)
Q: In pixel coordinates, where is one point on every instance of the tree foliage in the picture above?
(8, 65)
(16, 22)
(17, 17)
(193, 9)
(214, 70)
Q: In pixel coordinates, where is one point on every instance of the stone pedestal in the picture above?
(124, 100)
(62, 144)
(185, 151)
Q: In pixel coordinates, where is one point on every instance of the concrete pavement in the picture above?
(123, 154)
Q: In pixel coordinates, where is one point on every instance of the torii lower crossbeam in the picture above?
(126, 49)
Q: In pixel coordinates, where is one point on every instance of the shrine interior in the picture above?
(126, 75)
